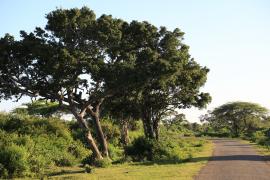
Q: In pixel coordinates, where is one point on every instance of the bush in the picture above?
(144, 149)
(115, 152)
(3, 172)
(103, 163)
(14, 161)
(166, 149)
(41, 145)
(88, 169)
(111, 131)
(140, 149)
(258, 137)
(38, 163)
(32, 125)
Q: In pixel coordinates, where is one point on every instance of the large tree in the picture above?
(163, 77)
(82, 61)
(238, 117)
(71, 61)
(172, 79)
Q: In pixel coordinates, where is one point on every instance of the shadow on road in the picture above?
(232, 158)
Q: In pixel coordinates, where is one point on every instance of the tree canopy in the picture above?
(238, 117)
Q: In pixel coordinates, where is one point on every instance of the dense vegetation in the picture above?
(97, 67)
(28, 145)
(120, 80)
(31, 145)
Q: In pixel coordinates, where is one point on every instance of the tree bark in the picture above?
(93, 145)
(88, 135)
(156, 128)
(148, 125)
(124, 132)
(101, 136)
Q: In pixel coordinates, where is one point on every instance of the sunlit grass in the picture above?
(142, 171)
(263, 150)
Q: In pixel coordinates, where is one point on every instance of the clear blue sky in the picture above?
(231, 37)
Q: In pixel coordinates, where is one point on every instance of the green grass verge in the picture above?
(186, 170)
(263, 150)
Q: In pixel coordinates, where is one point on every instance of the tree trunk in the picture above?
(101, 136)
(89, 137)
(124, 132)
(148, 125)
(156, 128)
(93, 145)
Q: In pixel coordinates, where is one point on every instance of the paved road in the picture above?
(233, 160)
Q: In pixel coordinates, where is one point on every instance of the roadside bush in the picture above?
(166, 149)
(258, 137)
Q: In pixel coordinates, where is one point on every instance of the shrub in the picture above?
(88, 169)
(32, 149)
(166, 149)
(115, 152)
(3, 172)
(111, 131)
(144, 149)
(65, 159)
(140, 149)
(14, 161)
(32, 125)
(103, 163)
(258, 137)
(38, 163)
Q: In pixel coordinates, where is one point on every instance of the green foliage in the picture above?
(88, 168)
(75, 49)
(31, 125)
(140, 149)
(239, 117)
(111, 131)
(3, 171)
(182, 128)
(116, 152)
(14, 161)
(40, 107)
(103, 163)
(167, 149)
(259, 137)
(47, 143)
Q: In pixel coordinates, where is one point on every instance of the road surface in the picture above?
(233, 160)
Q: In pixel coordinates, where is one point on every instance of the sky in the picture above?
(230, 37)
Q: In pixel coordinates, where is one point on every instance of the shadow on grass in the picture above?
(65, 172)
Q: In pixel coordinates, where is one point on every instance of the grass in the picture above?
(142, 171)
(263, 150)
